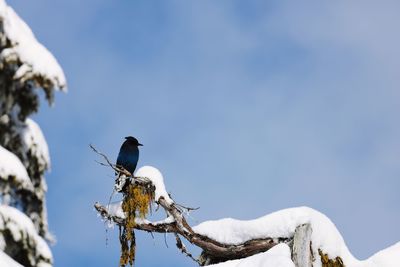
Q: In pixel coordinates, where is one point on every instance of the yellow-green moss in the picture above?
(136, 203)
(327, 262)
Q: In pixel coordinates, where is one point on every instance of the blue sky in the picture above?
(246, 107)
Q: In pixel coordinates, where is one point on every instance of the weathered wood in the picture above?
(301, 251)
(213, 250)
(216, 252)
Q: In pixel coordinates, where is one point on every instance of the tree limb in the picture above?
(212, 249)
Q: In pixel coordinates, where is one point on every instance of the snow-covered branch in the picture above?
(295, 237)
(213, 251)
(26, 67)
(23, 242)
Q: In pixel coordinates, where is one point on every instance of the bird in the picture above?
(128, 155)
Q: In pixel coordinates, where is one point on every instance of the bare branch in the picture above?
(104, 213)
(183, 248)
(182, 207)
(116, 168)
(140, 224)
(211, 248)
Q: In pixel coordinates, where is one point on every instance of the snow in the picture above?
(389, 257)
(11, 166)
(33, 139)
(23, 230)
(36, 58)
(278, 224)
(278, 256)
(115, 209)
(283, 223)
(155, 176)
(6, 261)
(157, 179)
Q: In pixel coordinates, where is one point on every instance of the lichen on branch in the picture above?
(327, 262)
(136, 204)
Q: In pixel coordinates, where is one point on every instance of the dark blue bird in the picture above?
(128, 155)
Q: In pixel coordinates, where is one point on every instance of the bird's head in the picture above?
(133, 140)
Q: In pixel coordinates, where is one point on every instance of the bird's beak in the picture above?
(140, 144)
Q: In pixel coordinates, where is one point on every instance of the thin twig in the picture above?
(186, 208)
(183, 249)
(116, 168)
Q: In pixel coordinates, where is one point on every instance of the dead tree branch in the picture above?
(213, 251)
(182, 248)
(301, 250)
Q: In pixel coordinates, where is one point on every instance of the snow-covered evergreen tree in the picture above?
(26, 67)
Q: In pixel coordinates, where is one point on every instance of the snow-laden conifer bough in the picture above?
(295, 237)
(26, 69)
